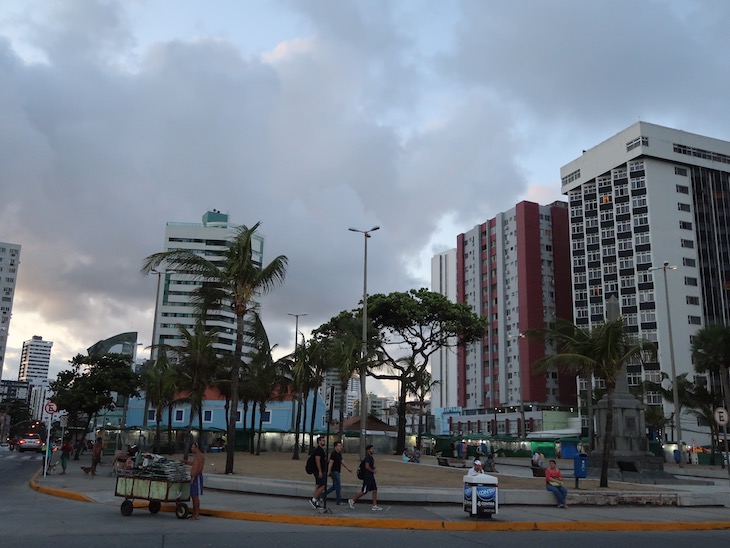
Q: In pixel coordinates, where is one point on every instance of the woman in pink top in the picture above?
(554, 484)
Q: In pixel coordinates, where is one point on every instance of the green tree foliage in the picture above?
(711, 355)
(86, 389)
(599, 352)
(410, 327)
(234, 281)
(159, 381)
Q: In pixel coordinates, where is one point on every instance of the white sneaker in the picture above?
(313, 503)
(351, 503)
(377, 508)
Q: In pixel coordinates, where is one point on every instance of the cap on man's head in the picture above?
(477, 462)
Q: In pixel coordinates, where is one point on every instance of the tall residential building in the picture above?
(9, 262)
(515, 270)
(35, 359)
(646, 196)
(443, 362)
(174, 305)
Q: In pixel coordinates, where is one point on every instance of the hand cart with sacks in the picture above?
(157, 481)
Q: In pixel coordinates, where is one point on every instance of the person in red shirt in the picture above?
(554, 484)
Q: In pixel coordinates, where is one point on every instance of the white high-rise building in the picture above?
(9, 262)
(174, 306)
(443, 362)
(647, 196)
(35, 359)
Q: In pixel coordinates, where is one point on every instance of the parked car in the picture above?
(5, 446)
(30, 442)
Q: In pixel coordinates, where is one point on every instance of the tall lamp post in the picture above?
(153, 348)
(296, 346)
(675, 389)
(364, 352)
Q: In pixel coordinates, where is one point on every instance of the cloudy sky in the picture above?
(424, 117)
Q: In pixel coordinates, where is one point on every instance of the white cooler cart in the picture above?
(481, 495)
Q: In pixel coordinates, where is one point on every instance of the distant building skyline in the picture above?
(9, 263)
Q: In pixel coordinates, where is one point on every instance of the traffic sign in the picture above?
(721, 416)
(51, 408)
(63, 419)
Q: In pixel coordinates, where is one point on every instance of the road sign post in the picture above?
(50, 408)
(721, 418)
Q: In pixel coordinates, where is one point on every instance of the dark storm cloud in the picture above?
(103, 141)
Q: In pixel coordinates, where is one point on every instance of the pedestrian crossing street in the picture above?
(14, 455)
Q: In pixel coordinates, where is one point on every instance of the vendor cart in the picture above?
(143, 485)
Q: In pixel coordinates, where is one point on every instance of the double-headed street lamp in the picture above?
(675, 388)
(296, 354)
(364, 351)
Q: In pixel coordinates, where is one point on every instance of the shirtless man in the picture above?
(196, 478)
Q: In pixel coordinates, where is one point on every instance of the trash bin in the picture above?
(481, 495)
(580, 465)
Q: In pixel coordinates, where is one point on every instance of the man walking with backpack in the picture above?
(320, 467)
(368, 480)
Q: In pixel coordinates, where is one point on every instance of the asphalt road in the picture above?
(29, 518)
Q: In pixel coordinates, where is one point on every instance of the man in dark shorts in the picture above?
(196, 478)
(320, 477)
(96, 455)
(368, 480)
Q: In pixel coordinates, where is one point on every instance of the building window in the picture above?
(685, 225)
(648, 316)
(626, 262)
(689, 244)
(683, 189)
(628, 300)
(621, 190)
(631, 319)
(180, 413)
(592, 239)
(151, 415)
(694, 320)
(607, 233)
(207, 415)
(642, 239)
(606, 216)
(638, 201)
(623, 209)
(653, 398)
(646, 296)
(641, 220)
(577, 262)
(681, 171)
(624, 245)
(643, 257)
(693, 300)
(683, 207)
(623, 226)
(686, 261)
(594, 256)
(639, 182)
(627, 281)
(610, 268)
(688, 280)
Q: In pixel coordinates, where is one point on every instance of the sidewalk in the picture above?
(238, 497)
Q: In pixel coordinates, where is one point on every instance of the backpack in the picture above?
(361, 470)
(311, 466)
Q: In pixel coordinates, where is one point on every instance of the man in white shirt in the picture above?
(476, 469)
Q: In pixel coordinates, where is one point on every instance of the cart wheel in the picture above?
(181, 510)
(154, 506)
(127, 508)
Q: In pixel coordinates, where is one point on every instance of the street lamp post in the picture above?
(296, 346)
(364, 352)
(675, 388)
(153, 349)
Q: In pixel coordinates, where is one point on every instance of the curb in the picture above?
(63, 493)
(418, 525)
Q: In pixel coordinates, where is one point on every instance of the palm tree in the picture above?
(602, 352)
(160, 385)
(711, 354)
(238, 278)
(344, 358)
(265, 377)
(422, 384)
(196, 366)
